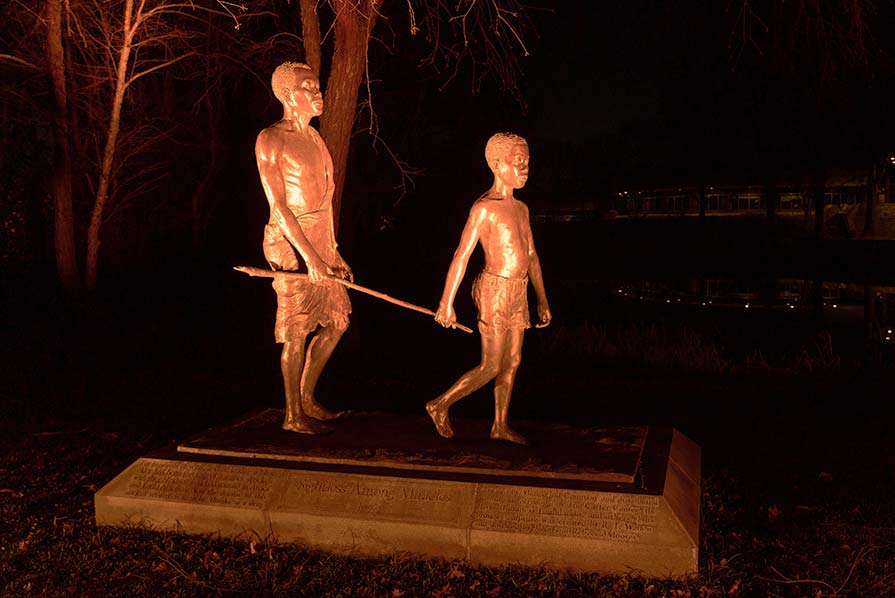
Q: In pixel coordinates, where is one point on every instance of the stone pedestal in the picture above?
(594, 499)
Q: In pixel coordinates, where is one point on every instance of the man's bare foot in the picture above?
(314, 409)
(440, 419)
(306, 425)
(505, 432)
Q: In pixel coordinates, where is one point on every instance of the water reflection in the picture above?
(874, 305)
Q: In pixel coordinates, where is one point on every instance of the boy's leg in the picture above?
(503, 387)
(492, 352)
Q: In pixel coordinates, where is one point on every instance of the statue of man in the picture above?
(500, 223)
(297, 175)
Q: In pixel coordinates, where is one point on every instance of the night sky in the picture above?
(642, 93)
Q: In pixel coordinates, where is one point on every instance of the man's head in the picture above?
(296, 86)
(507, 157)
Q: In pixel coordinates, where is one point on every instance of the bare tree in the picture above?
(121, 42)
(354, 23)
(99, 53)
(310, 29)
(64, 230)
(834, 35)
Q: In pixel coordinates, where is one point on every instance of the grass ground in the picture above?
(799, 466)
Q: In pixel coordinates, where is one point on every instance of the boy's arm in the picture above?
(537, 278)
(445, 314)
(267, 150)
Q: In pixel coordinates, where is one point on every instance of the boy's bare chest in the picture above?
(506, 222)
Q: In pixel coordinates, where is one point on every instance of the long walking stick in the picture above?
(285, 274)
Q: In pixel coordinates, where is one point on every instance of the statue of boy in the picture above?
(297, 175)
(500, 223)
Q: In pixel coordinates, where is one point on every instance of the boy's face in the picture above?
(512, 170)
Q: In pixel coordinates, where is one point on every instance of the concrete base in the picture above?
(393, 500)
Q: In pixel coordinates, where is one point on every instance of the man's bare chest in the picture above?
(303, 162)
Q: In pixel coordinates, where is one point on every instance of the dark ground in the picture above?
(797, 450)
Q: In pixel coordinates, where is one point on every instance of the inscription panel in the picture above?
(565, 513)
(398, 499)
(203, 483)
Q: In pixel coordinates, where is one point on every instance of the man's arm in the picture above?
(536, 276)
(468, 239)
(340, 267)
(268, 149)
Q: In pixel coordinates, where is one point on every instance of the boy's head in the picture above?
(507, 157)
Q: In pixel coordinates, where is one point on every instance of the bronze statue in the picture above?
(500, 223)
(297, 175)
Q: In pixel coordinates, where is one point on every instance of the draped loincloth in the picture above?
(301, 305)
(502, 302)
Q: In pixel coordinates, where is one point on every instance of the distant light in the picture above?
(835, 306)
(747, 306)
(619, 290)
(792, 307)
(703, 303)
(668, 301)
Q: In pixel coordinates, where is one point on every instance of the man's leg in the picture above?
(319, 351)
(471, 381)
(291, 363)
(503, 387)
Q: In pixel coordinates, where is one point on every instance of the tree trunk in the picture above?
(96, 218)
(310, 34)
(63, 225)
(354, 21)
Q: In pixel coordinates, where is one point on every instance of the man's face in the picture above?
(305, 94)
(513, 169)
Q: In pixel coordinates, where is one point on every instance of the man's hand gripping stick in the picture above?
(261, 272)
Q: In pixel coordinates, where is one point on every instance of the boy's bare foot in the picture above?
(306, 425)
(314, 409)
(505, 432)
(440, 419)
